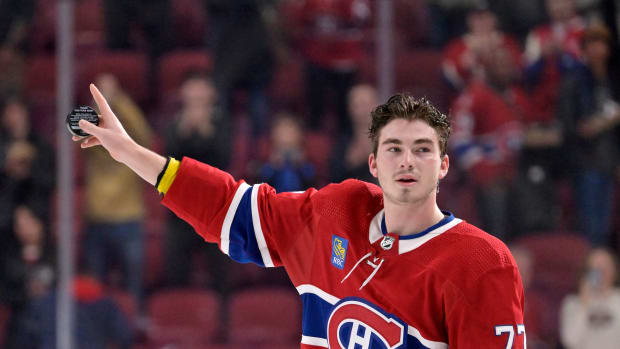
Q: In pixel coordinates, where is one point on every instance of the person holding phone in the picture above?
(591, 318)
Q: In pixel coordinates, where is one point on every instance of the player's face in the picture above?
(408, 163)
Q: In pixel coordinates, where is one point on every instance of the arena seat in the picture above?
(318, 150)
(126, 302)
(264, 316)
(131, 69)
(153, 256)
(40, 78)
(411, 21)
(184, 317)
(418, 72)
(89, 26)
(173, 67)
(5, 314)
(189, 22)
(558, 257)
(287, 87)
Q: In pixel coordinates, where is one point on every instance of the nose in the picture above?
(407, 160)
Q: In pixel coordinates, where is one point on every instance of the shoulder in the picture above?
(476, 252)
(354, 187)
(351, 197)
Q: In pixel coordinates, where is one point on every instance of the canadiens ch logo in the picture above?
(339, 251)
(354, 323)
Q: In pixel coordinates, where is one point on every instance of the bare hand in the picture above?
(110, 133)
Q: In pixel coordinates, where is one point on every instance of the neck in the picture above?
(411, 218)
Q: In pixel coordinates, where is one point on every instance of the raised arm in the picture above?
(112, 136)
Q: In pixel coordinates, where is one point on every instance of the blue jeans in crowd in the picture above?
(594, 194)
(122, 241)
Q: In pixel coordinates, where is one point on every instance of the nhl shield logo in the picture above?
(387, 242)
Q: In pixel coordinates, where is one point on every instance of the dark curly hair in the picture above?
(402, 106)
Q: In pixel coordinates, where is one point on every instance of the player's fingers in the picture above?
(90, 142)
(101, 101)
(82, 139)
(90, 128)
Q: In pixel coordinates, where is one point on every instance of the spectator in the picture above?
(242, 44)
(287, 168)
(26, 182)
(590, 113)
(24, 157)
(15, 18)
(99, 322)
(200, 131)
(350, 154)
(329, 35)
(540, 167)
(551, 50)
(487, 136)
(461, 56)
(591, 318)
(114, 199)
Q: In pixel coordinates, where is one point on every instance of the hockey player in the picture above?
(376, 267)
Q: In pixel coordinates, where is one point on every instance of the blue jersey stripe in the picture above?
(243, 247)
(316, 313)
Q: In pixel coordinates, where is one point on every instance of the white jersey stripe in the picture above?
(258, 230)
(405, 246)
(412, 331)
(316, 341)
(230, 215)
(307, 288)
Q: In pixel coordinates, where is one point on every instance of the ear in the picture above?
(372, 165)
(444, 166)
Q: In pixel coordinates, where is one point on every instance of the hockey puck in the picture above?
(81, 112)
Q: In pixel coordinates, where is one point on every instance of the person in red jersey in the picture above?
(461, 57)
(552, 50)
(376, 267)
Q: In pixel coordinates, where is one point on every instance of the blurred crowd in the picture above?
(280, 91)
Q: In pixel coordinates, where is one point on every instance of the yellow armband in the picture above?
(167, 175)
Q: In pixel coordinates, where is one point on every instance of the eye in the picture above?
(393, 149)
(424, 150)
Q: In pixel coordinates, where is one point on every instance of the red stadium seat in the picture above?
(411, 21)
(129, 67)
(419, 73)
(126, 302)
(189, 21)
(5, 314)
(154, 256)
(186, 318)
(558, 257)
(173, 67)
(287, 87)
(89, 26)
(40, 78)
(264, 316)
(318, 149)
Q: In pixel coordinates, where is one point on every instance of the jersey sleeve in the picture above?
(489, 313)
(249, 223)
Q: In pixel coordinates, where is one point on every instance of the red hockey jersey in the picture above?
(451, 285)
